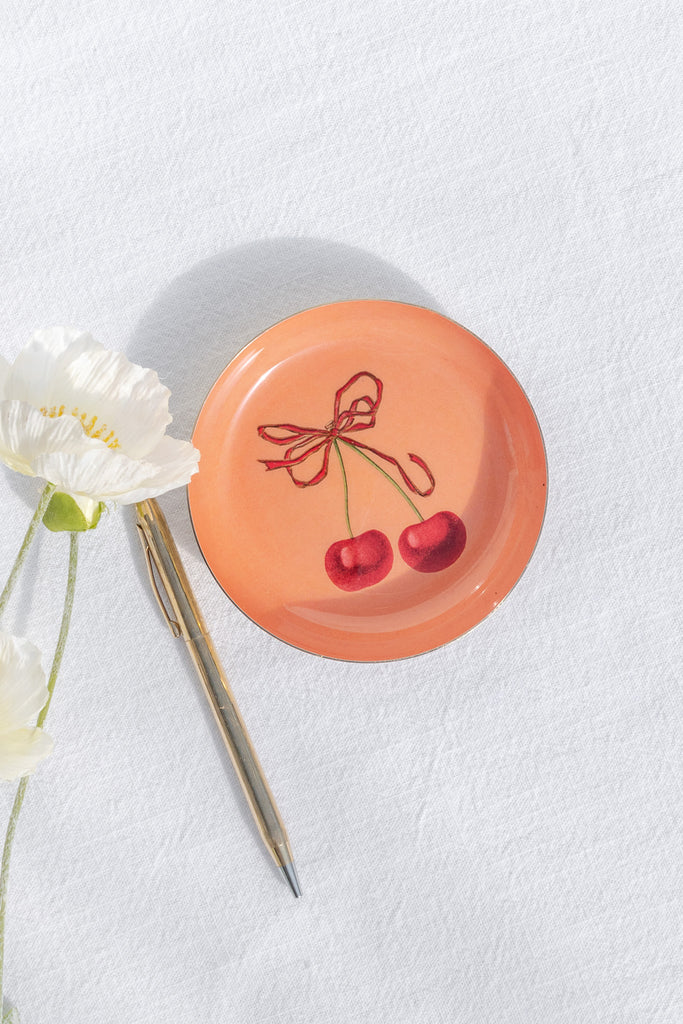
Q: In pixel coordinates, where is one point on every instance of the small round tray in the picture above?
(372, 480)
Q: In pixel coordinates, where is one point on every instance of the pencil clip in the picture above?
(172, 624)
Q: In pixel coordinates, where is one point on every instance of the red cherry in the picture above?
(360, 561)
(433, 544)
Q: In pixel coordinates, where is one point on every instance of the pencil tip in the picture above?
(289, 871)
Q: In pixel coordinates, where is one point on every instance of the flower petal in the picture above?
(25, 434)
(108, 474)
(169, 465)
(129, 399)
(91, 509)
(67, 372)
(55, 341)
(39, 367)
(171, 460)
(21, 750)
(22, 682)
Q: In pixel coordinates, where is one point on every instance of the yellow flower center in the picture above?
(91, 424)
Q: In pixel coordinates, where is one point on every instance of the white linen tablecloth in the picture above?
(490, 833)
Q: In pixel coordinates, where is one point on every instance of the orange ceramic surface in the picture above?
(325, 444)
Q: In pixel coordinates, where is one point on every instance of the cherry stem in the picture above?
(346, 488)
(384, 473)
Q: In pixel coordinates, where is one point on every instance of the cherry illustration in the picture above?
(428, 545)
(434, 543)
(358, 562)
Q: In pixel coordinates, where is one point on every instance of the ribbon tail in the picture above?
(410, 484)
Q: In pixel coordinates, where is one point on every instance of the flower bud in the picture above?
(70, 513)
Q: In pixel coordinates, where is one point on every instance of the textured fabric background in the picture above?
(490, 833)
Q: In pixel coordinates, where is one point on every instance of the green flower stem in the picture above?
(64, 628)
(21, 789)
(26, 544)
(4, 875)
(346, 488)
(359, 451)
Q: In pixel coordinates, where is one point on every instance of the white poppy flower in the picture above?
(89, 421)
(22, 694)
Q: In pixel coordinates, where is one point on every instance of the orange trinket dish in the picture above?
(372, 480)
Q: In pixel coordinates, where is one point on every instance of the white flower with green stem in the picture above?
(93, 426)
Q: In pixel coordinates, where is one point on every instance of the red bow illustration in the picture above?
(304, 442)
